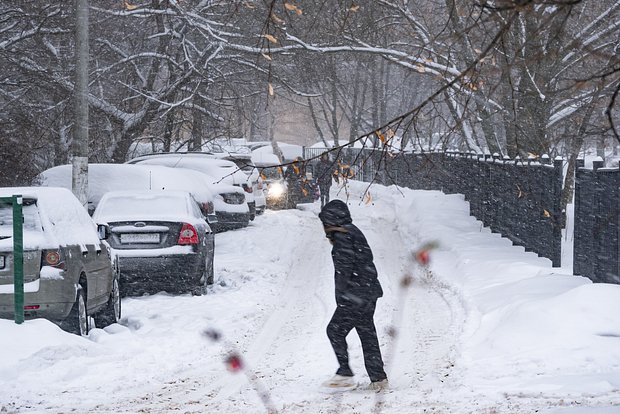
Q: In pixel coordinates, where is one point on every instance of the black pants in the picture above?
(324, 190)
(344, 320)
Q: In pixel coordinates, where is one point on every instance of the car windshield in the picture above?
(272, 173)
(144, 205)
(246, 168)
(244, 165)
(32, 222)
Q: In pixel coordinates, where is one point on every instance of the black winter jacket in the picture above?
(324, 172)
(355, 273)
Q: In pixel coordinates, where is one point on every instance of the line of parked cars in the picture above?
(152, 229)
(218, 169)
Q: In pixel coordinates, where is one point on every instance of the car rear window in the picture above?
(145, 205)
(30, 210)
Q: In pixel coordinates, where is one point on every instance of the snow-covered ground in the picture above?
(486, 328)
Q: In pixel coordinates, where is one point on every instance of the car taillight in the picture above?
(247, 188)
(32, 307)
(52, 258)
(188, 235)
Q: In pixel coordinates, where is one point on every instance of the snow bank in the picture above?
(529, 326)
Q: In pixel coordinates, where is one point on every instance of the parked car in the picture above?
(243, 161)
(69, 272)
(223, 205)
(231, 209)
(274, 188)
(161, 238)
(223, 171)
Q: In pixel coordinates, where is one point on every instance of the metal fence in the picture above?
(518, 198)
(597, 223)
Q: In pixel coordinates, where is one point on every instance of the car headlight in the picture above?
(276, 190)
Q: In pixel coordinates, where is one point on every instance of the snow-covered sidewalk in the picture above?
(487, 328)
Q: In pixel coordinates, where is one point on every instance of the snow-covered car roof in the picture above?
(161, 205)
(223, 171)
(112, 177)
(243, 161)
(264, 159)
(62, 220)
(289, 151)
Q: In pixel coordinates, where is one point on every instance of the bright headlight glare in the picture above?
(276, 190)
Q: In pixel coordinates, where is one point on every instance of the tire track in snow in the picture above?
(430, 320)
(282, 338)
(296, 313)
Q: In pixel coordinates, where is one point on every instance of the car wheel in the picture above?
(112, 311)
(77, 320)
(210, 272)
(201, 289)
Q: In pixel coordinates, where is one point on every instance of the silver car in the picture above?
(68, 272)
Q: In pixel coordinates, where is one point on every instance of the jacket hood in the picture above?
(335, 213)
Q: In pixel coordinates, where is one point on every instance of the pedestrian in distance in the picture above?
(324, 172)
(295, 178)
(357, 290)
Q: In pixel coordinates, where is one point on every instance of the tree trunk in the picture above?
(374, 90)
(195, 143)
(119, 155)
(168, 130)
(334, 106)
(575, 147)
(315, 122)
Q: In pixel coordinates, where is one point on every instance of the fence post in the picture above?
(558, 175)
(597, 164)
(18, 258)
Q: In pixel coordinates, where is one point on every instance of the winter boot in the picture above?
(379, 385)
(340, 382)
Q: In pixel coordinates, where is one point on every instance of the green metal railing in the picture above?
(18, 255)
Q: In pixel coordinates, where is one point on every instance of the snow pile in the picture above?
(530, 326)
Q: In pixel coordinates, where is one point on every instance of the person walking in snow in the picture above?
(324, 173)
(295, 177)
(357, 290)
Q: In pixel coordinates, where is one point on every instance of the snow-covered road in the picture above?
(271, 303)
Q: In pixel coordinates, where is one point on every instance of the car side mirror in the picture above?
(103, 231)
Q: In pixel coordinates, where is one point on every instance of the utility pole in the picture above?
(79, 146)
